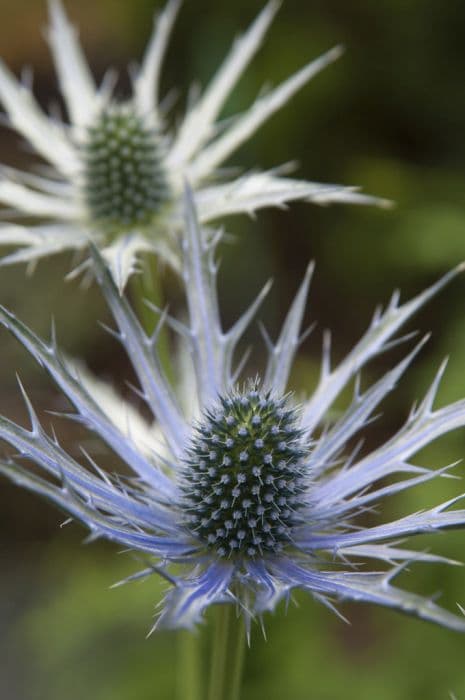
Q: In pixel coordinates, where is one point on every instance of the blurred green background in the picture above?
(389, 116)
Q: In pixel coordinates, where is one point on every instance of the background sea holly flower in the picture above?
(117, 171)
(250, 498)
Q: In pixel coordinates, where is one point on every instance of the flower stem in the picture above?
(219, 652)
(147, 287)
(238, 654)
(188, 677)
(227, 655)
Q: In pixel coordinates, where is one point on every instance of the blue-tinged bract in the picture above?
(238, 495)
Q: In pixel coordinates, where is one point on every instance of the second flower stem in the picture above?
(227, 654)
(188, 679)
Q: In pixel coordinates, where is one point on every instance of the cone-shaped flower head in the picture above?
(238, 495)
(245, 478)
(124, 180)
(117, 171)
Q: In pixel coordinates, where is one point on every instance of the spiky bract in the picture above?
(277, 450)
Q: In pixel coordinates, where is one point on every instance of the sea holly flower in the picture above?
(117, 171)
(241, 496)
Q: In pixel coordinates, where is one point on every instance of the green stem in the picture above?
(227, 655)
(237, 660)
(188, 677)
(219, 652)
(147, 287)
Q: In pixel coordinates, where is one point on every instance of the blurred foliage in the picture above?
(389, 116)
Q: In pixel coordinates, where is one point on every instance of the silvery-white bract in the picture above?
(240, 494)
(116, 171)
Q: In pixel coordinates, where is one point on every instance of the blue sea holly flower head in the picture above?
(239, 496)
(116, 171)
